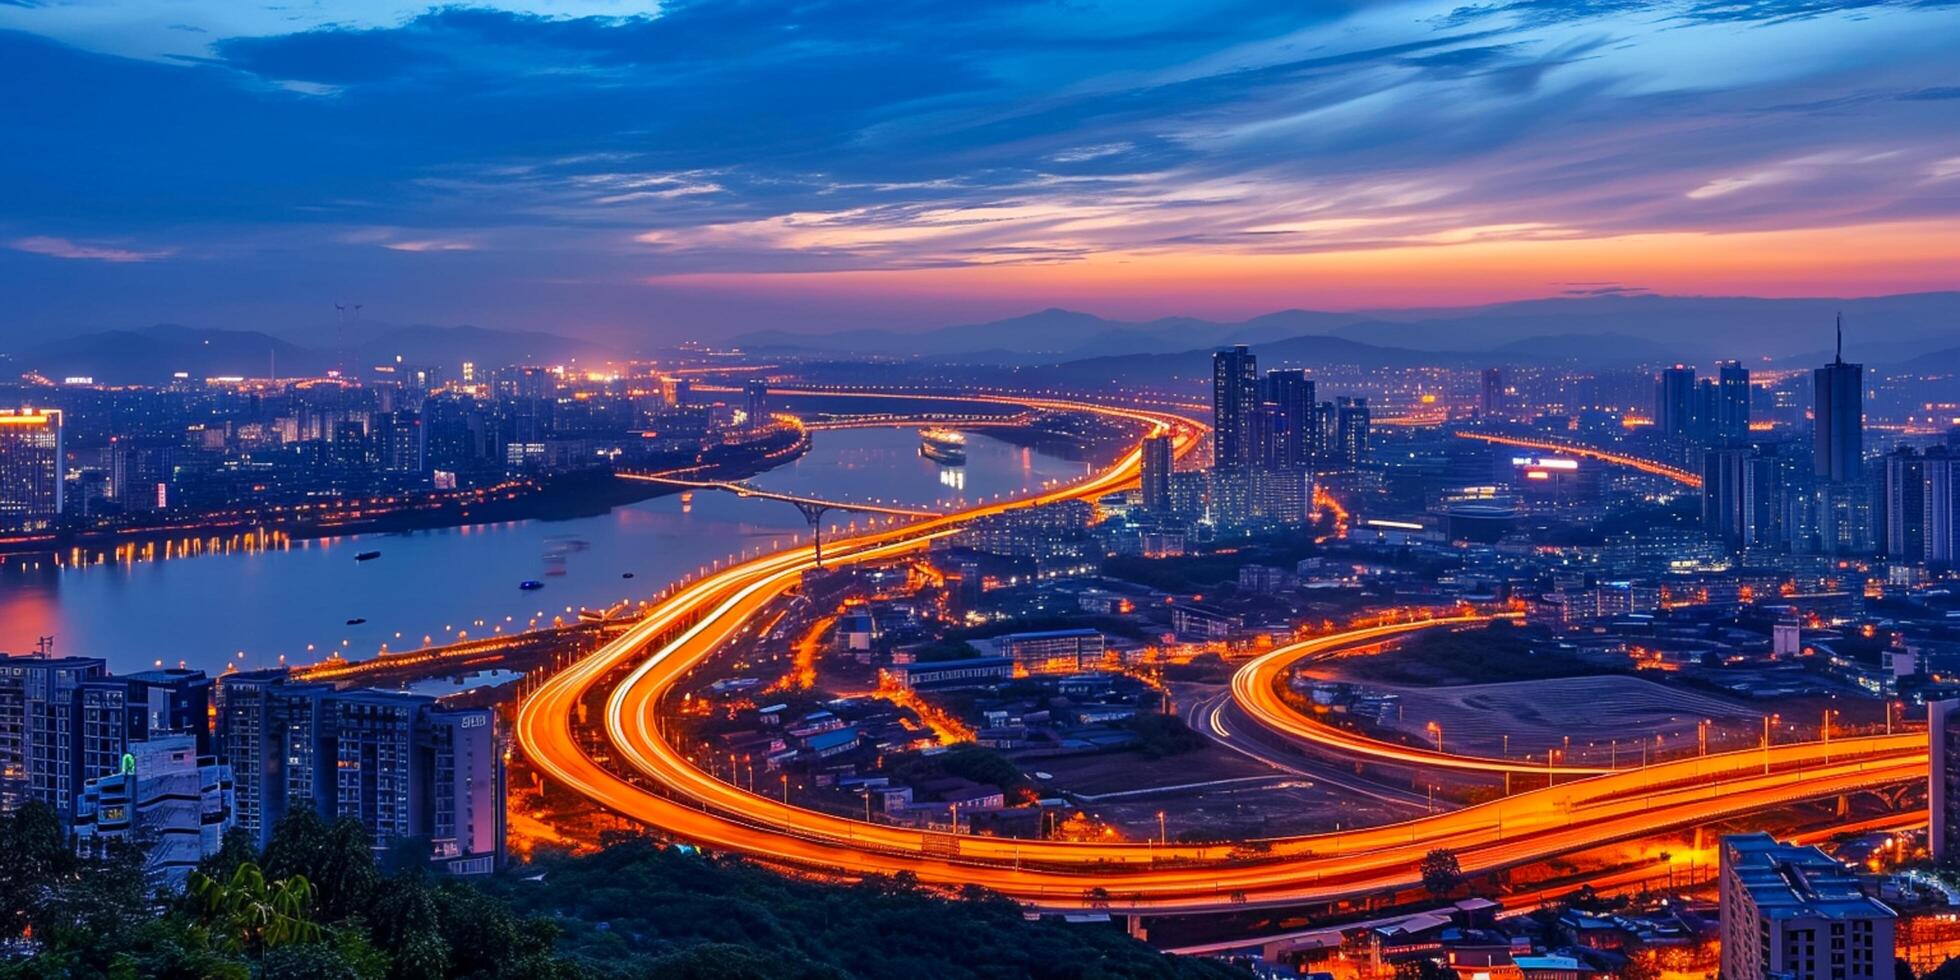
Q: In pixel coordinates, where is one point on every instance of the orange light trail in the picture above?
(1674, 473)
(672, 794)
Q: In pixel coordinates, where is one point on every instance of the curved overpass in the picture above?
(654, 783)
(1255, 689)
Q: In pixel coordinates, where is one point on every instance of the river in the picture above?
(254, 607)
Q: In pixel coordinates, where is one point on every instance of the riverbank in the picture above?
(585, 493)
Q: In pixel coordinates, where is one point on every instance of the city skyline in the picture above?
(605, 489)
(570, 166)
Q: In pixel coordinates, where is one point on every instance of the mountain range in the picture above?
(150, 355)
(1595, 331)
(1915, 330)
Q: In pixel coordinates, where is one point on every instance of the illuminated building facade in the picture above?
(1234, 407)
(30, 469)
(399, 763)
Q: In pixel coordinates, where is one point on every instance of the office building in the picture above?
(399, 763)
(165, 796)
(31, 477)
(1234, 407)
(1156, 474)
(1943, 781)
(1674, 409)
(1838, 418)
(1795, 912)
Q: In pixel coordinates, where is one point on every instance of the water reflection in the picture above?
(257, 604)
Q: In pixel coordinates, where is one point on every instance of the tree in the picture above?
(250, 913)
(337, 860)
(37, 855)
(1441, 872)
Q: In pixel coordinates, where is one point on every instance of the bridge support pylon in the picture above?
(813, 513)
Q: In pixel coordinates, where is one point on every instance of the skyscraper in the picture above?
(1905, 506)
(1942, 519)
(1490, 402)
(1234, 407)
(756, 403)
(1351, 424)
(1724, 473)
(30, 469)
(1732, 403)
(1838, 418)
(1156, 476)
(1290, 403)
(1674, 408)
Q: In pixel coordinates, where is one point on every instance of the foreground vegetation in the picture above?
(317, 904)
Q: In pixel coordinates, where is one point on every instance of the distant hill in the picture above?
(1601, 331)
(150, 355)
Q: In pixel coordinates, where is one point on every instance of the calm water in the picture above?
(253, 607)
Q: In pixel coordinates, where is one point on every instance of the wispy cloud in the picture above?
(827, 136)
(62, 248)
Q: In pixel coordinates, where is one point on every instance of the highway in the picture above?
(1255, 690)
(1675, 473)
(657, 785)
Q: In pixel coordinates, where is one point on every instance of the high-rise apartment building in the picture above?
(1490, 399)
(41, 729)
(1351, 425)
(399, 763)
(1943, 779)
(1674, 408)
(1289, 402)
(1156, 474)
(1905, 506)
(1234, 407)
(1795, 912)
(31, 483)
(1732, 404)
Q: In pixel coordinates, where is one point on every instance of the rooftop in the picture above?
(1788, 882)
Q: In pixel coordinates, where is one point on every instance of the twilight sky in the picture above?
(626, 170)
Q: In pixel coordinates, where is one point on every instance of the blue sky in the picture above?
(628, 171)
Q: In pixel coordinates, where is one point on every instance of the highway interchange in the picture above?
(642, 775)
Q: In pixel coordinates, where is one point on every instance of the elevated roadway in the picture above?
(649, 779)
(1644, 465)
